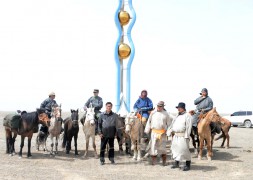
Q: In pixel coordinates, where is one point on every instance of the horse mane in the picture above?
(202, 116)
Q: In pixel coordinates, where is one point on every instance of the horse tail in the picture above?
(65, 135)
(220, 136)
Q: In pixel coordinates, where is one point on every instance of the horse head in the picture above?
(74, 117)
(43, 117)
(56, 112)
(90, 116)
(213, 116)
(129, 121)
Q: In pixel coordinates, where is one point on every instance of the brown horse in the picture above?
(204, 131)
(28, 124)
(225, 127)
(135, 130)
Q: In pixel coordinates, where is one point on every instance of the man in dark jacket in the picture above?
(204, 104)
(107, 129)
(47, 104)
(97, 103)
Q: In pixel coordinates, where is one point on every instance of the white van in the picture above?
(241, 118)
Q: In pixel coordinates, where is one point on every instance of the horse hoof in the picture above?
(134, 158)
(10, 155)
(209, 158)
(227, 147)
(96, 156)
(20, 157)
(199, 158)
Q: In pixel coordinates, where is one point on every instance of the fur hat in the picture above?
(51, 94)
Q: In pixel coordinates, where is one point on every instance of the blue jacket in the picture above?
(145, 105)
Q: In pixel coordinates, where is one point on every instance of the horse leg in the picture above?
(201, 141)
(94, 147)
(135, 151)
(56, 144)
(75, 139)
(138, 152)
(68, 142)
(21, 146)
(45, 145)
(119, 139)
(52, 144)
(223, 139)
(29, 146)
(228, 138)
(209, 148)
(87, 138)
(13, 144)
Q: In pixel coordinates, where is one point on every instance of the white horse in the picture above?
(89, 130)
(134, 128)
(55, 128)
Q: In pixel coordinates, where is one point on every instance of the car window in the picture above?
(235, 114)
(249, 113)
(242, 113)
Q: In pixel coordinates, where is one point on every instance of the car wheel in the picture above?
(247, 124)
(234, 125)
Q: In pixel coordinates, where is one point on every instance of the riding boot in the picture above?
(164, 157)
(153, 160)
(175, 165)
(187, 166)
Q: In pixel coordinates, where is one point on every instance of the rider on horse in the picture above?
(47, 104)
(97, 103)
(204, 104)
(143, 105)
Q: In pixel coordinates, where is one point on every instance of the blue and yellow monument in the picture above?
(124, 54)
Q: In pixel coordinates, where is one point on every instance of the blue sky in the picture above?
(181, 47)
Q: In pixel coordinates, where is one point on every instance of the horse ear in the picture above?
(71, 110)
(214, 108)
(77, 110)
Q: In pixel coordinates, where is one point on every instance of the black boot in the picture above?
(175, 165)
(187, 166)
(102, 161)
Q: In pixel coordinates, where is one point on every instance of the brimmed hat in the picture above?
(51, 94)
(181, 105)
(204, 90)
(160, 103)
(95, 91)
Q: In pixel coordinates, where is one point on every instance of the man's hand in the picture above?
(101, 136)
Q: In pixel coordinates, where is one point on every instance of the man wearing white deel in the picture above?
(158, 122)
(181, 128)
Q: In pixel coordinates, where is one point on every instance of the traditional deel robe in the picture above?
(158, 123)
(181, 127)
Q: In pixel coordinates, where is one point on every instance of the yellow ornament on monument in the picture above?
(124, 51)
(124, 18)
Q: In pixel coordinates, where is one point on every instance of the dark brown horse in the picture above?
(225, 127)
(71, 129)
(27, 125)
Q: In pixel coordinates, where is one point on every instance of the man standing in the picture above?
(144, 105)
(158, 122)
(181, 128)
(96, 102)
(107, 129)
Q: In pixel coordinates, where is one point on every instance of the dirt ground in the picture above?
(233, 163)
